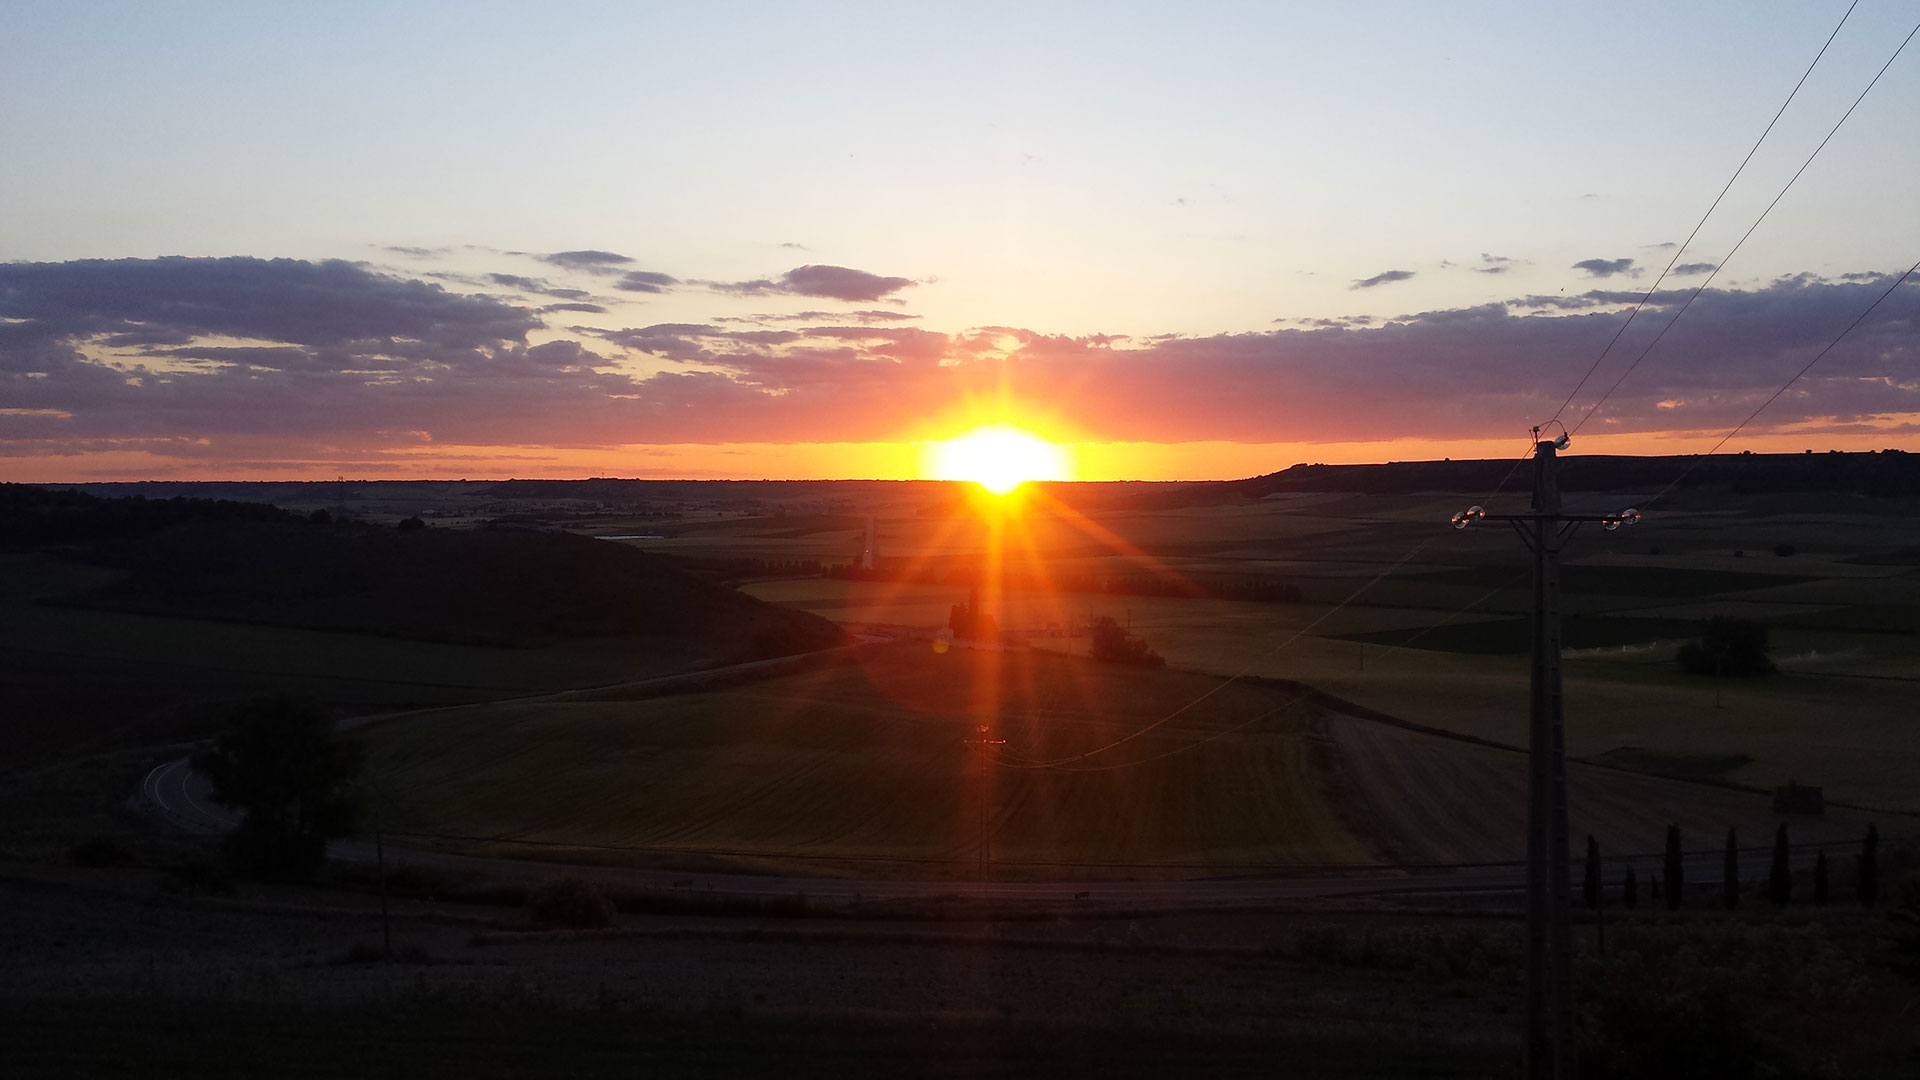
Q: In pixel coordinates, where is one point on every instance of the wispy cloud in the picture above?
(1603, 268)
(1382, 278)
(599, 262)
(645, 281)
(827, 282)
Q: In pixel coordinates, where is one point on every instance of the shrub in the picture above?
(1733, 647)
(569, 904)
(1905, 943)
(1675, 870)
(1780, 875)
(1115, 644)
(1681, 1016)
(197, 876)
(1867, 879)
(280, 762)
(98, 852)
(1730, 874)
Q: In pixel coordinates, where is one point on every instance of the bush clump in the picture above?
(568, 904)
(101, 851)
(1115, 644)
(199, 877)
(1736, 648)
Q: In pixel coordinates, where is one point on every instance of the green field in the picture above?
(1440, 638)
(862, 768)
(868, 758)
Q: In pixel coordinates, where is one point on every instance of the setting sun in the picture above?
(998, 458)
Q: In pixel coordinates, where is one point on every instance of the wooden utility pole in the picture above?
(1549, 923)
(1549, 1012)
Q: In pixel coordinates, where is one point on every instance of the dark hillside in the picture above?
(1886, 473)
(31, 515)
(489, 587)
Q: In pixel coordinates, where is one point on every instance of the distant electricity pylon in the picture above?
(1549, 1013)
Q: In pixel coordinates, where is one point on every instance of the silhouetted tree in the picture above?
(1820, 879)
(569, 903)
(1730, 874)
(1780, 875)
(1868, 881)
(1904, 920)
(1674, 872)
(281, 764)
(970, 622)
(1117, 645)
(1730, 646)
(1630, 890)
(1590, 884)
(410, 523)
(320, 517)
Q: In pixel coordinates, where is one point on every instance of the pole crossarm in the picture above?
(1616, 519)
(1610, 522)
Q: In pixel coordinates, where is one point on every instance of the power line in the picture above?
(1514, 469)
(1237, 676)
(1066, 764)
(1771, 398)
(1750, 230)
(871, 857)
(1681, 250)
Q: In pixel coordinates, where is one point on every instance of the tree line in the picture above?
(1670, 885)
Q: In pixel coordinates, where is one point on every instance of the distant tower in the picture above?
(870, 551)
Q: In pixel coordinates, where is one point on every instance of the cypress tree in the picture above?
(1630, 891)
(1590, 885)
(1780, 877)
(1675, 873)
(1820, 879)
(1730, 874)
(1869, 878)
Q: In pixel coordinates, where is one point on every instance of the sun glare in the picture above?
(998, 458)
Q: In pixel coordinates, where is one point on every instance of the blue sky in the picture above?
(1080, 170)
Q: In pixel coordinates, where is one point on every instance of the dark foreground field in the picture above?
(150, 968)
(111, 973)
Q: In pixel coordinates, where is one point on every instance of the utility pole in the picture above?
(1549, 1012)
(982, 746)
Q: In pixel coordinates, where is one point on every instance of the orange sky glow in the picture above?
(1090, 461)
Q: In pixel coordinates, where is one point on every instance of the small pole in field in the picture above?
(380, 861)
(986, 778)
